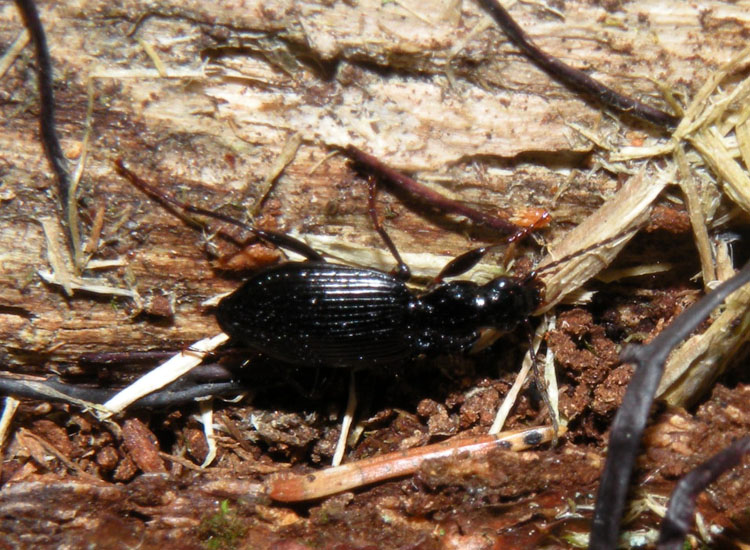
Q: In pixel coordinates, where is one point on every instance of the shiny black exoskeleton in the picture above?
(321, 314)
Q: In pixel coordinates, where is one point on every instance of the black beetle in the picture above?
(321, 314)
(316, 313)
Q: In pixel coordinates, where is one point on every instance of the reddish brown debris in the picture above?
(142, 446)
(54, 435)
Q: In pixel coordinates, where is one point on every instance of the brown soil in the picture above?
(79, 481)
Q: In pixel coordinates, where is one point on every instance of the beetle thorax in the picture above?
(462, 305)
(505, 301)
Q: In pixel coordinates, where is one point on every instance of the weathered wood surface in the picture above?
(414, 83)
(426, 86)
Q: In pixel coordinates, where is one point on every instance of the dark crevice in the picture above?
(17, 311)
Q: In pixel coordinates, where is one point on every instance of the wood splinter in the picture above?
(301, 487)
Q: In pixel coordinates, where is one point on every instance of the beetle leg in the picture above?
(402, 271)
(275, 238)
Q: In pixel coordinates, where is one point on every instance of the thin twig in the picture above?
(177, 393)
(632, 415)
(681, 510)
(575, 78)
(50, 139)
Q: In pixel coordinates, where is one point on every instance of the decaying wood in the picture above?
(431, 91)
(243, 106)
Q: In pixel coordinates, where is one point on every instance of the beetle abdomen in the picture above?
(320, 314)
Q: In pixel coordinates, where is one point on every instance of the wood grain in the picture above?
(431, 90)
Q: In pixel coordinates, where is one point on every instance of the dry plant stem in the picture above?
(346, 422)
(165, 373)
(718, 157)
(547, 384)
(60, 272)
(541, 383)
(697, 218)
(632, 415)
(280, 163)
(301, 487)
(10, 55)
(510, 398)
(698, 361)
(9, 410)
(207, 419)
(681, 510)
(574, 78)
(615, 223)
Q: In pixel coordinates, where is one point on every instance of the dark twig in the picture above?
(631, 417)
(177, 393)
(50, 139)
(124, 357)
(681, 511)
(575, 78)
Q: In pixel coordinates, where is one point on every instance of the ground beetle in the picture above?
(321, 314)
(315, 313)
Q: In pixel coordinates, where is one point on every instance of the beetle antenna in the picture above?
(369, 164)
(533, 274)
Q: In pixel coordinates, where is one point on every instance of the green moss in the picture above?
(222, 530)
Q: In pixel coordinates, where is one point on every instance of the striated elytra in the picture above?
(322, 314)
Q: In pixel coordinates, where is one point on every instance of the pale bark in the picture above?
(239, 82)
